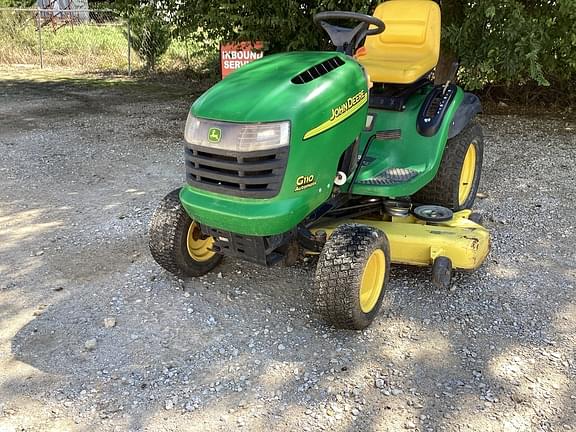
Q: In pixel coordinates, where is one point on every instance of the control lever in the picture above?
(451, 75)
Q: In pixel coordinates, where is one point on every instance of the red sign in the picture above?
(235, 55)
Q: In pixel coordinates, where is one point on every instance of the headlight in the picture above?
(240, 137)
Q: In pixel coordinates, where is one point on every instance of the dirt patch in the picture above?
(239, 348)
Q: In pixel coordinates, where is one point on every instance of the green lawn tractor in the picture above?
(354, 155)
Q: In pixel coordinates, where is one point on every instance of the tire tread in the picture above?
(167, 229)
(339, 272)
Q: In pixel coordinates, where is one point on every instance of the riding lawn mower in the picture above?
(354, 155)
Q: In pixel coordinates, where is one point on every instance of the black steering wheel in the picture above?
(347, 40)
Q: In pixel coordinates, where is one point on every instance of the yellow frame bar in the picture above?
(416, 242)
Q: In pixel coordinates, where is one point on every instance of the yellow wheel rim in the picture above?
(199, 246)
(467, 174)
(372, 280)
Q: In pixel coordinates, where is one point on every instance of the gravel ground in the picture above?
(94, 336)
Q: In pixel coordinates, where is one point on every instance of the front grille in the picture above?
(256, 174)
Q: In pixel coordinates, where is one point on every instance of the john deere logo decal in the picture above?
(349, 105)
(214, 135)
(340, 113)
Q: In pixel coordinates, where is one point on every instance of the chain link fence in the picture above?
(86, 40)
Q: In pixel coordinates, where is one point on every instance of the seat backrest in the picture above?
(410, 45)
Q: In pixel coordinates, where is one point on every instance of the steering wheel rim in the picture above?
(341, 15)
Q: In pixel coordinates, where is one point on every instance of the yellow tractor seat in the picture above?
(409, 46)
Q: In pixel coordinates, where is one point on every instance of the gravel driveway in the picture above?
(94, 336)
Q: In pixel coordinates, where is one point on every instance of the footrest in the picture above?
(391, 176)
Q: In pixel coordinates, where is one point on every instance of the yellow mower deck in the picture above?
(416, 242)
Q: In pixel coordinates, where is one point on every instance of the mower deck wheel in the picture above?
(176, 242)
(476, 218)
(351, 276)
(442, 272)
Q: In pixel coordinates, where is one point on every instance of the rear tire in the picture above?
(458, 177)
(351, 276)
(176, 242)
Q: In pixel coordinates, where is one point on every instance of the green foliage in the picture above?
(499, 42)
(511, 42)
(284, 25)
(149, 34)
(17, 3)
(107, 5)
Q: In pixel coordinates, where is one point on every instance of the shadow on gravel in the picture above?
(438, 363)
(109, 88)
(239, 347)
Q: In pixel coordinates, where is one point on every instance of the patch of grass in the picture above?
(94, 47)
(79, 46)
(87, 47)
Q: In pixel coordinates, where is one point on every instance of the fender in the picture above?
(469, 107)
(406, 146)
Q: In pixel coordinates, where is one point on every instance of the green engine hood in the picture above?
(263, 91)
(327, 112)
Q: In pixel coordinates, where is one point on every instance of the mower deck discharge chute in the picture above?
(301, 153)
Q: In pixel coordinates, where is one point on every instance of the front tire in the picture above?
(176, 242)
(351, 276)
(458, 177)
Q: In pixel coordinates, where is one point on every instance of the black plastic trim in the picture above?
(393, 97)
(309, 241)
(434, 109)
(318, 70)
(349, 157)
(469, 107)
(222, 164)
(263, 250)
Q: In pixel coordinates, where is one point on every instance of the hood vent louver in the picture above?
(318, 70)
